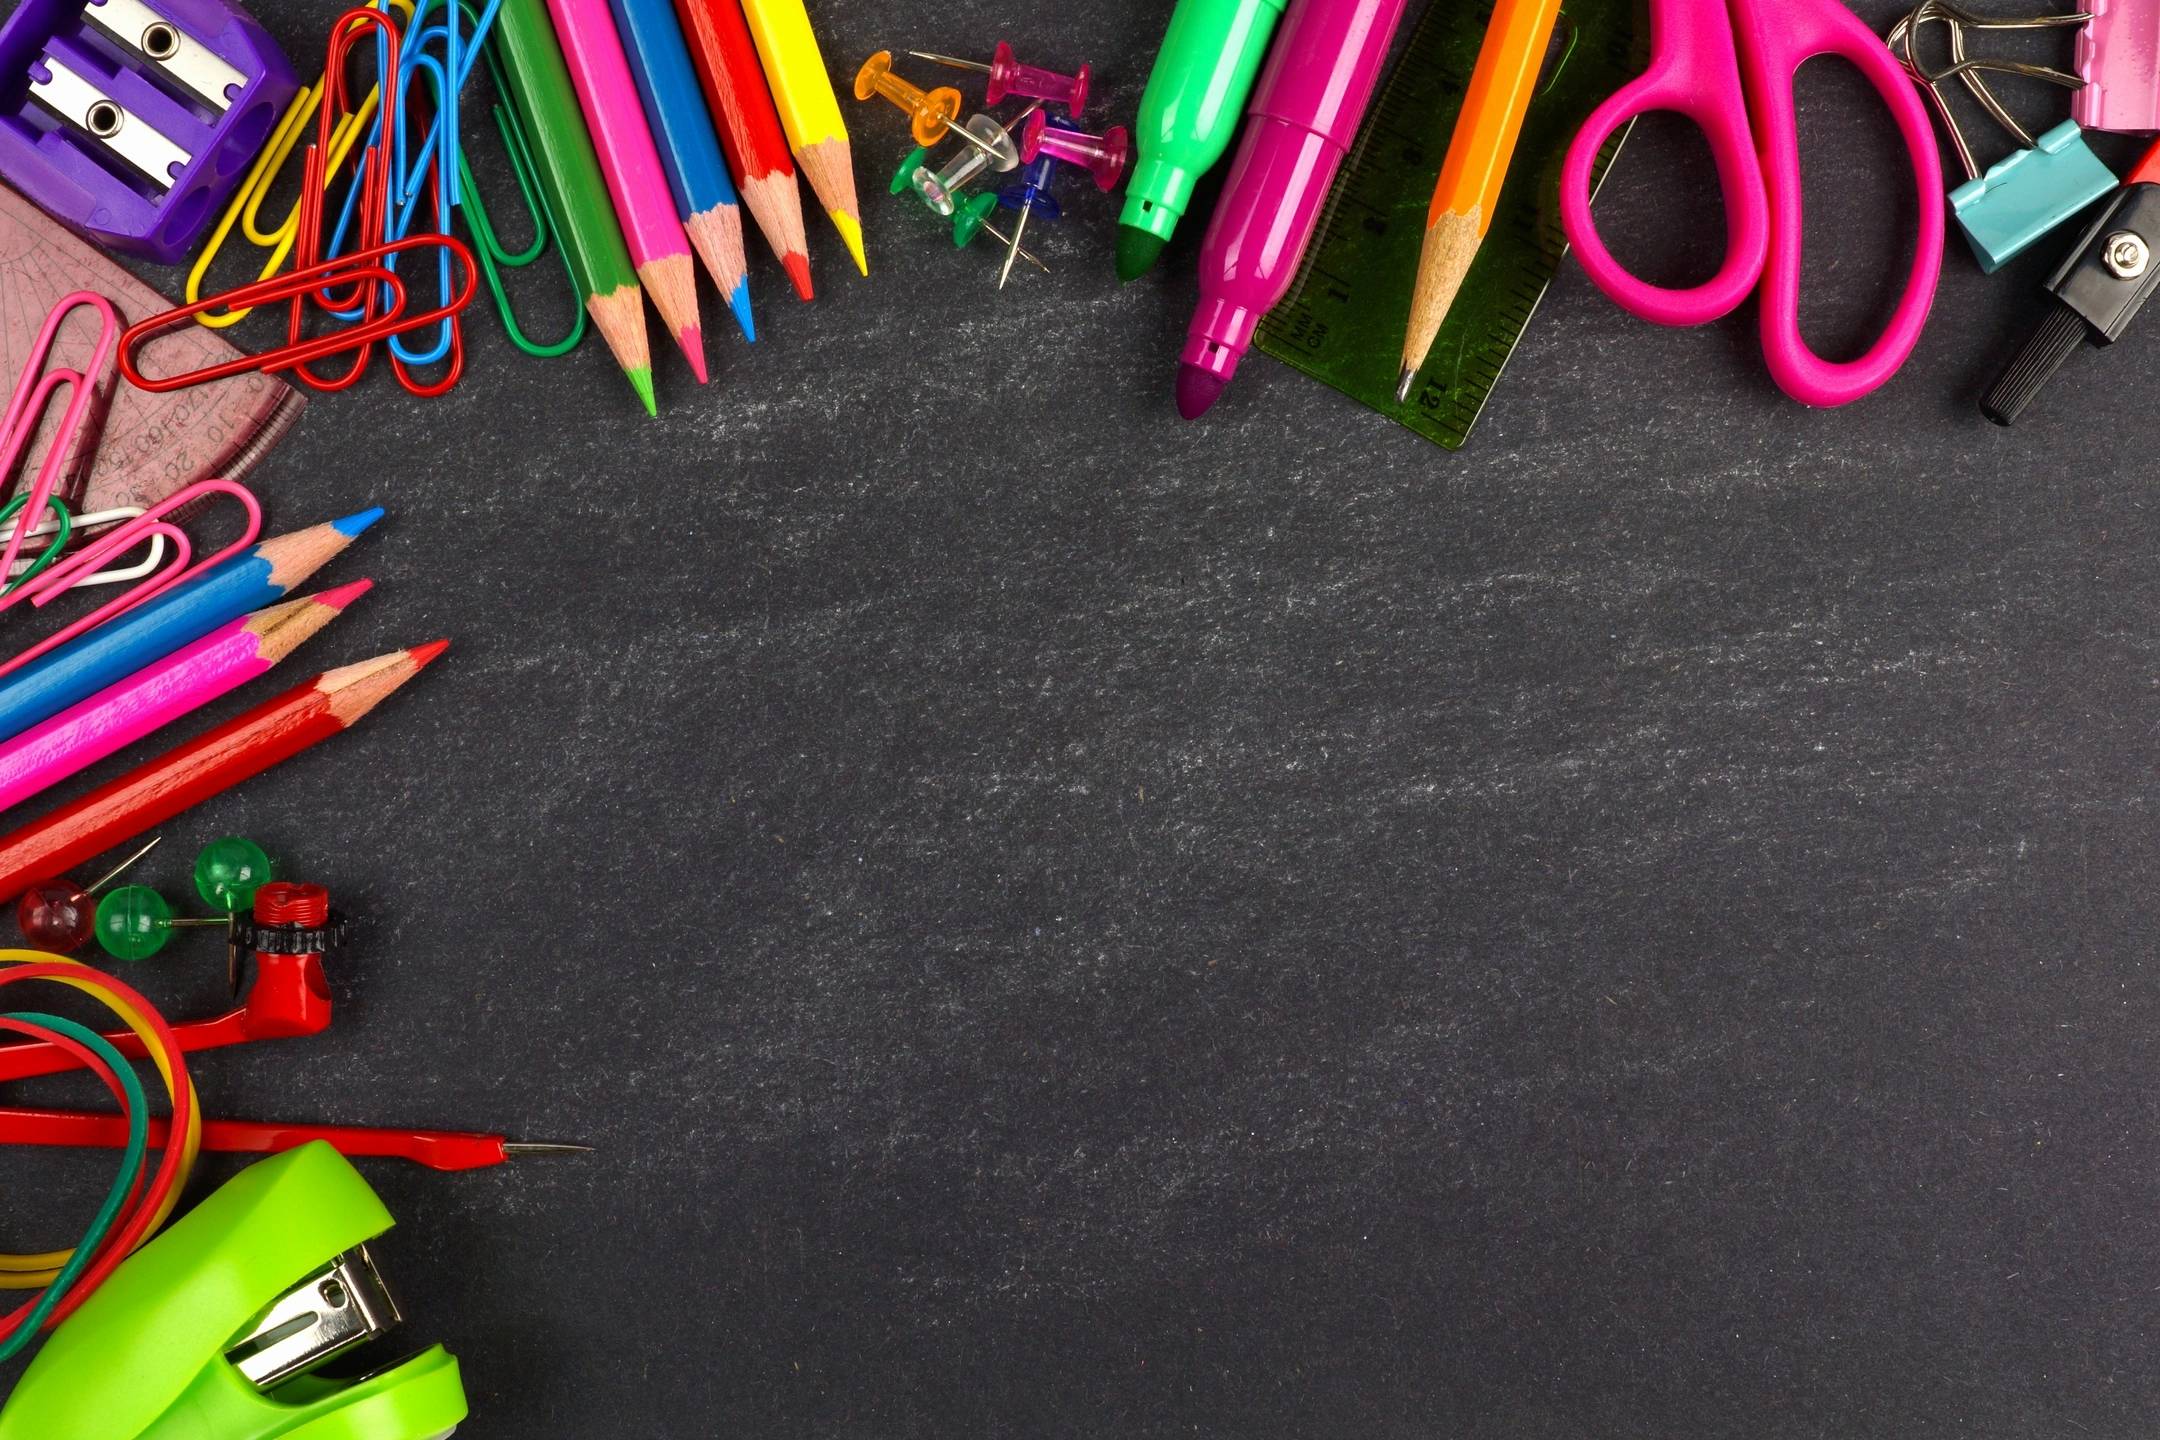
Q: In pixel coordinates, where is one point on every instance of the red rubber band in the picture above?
(125, 1238)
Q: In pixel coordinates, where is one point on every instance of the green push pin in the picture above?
(970, 217)
(228, 872)
(134, 923)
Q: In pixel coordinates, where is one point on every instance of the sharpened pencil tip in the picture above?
(424, 655)
(341, 596)
(1403, 384)
(739, 302)
(851, 236)
(692, 340)
(641, 381)
(797, 266)
(353, 524)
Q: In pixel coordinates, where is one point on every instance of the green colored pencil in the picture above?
(577, 196)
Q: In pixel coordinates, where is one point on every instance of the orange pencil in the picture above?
(1476, 166)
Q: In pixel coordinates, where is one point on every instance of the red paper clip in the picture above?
(48, 587)
(295, 284)
(372, 175)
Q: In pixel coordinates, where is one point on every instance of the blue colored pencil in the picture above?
(689, 145)
(260, 575)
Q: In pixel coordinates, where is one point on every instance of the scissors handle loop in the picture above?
(1775, 41)
(1693, 73)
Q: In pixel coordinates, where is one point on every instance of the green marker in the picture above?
(214, 1328)
(1195, 97)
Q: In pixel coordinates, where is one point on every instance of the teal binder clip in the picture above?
(2028, 193)
(2040, 185)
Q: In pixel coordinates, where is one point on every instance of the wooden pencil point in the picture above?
(775, 203)
(282, 629)
(619, 315)
(300, 553)
(672, 282)
(353, 690)
(829, 166)
(1451, 246)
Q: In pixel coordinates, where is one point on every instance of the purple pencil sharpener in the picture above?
(132, 120)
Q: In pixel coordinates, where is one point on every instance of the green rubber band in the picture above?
(131, 1165)
(52, 552)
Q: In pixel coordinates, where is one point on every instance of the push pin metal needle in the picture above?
(974, 217)
(969, 217)
(1033, 190)
(1009, 77)
(2098, 290)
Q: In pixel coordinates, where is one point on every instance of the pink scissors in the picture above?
(1728, 65)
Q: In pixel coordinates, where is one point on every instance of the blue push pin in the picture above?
(1027, 194)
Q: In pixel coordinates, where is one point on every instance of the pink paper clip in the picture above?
(33, 392)
(2118, 58)
(81, 567)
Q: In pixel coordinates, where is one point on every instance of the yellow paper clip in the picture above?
(247, 202)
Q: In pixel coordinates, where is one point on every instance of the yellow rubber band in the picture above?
(34, 1272)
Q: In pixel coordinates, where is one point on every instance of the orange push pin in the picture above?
(930, 112)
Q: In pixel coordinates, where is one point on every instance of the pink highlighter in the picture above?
(1304, 113)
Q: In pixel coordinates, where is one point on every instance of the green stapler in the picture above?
(216, 1329)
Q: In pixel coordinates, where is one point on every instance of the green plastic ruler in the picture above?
(1343, 320)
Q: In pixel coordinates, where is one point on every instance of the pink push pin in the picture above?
(1009, 77)
(1103, 156)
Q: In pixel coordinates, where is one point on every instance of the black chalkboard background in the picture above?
(1064, 922)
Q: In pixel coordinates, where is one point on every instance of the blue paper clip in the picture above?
(2038, 186)
(426, 171)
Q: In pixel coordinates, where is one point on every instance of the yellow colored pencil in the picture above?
(809, 112)
(1476, 167)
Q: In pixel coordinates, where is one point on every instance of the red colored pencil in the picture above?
(215, 761)
(436, 1149)
(749, 125)
(163, 691)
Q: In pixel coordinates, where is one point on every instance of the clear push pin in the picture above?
(940, 188)
(970, 217)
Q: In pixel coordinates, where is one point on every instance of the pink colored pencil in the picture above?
(630, 162)
(162, 692)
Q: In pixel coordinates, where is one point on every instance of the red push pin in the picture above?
(1103, 156)
(1009, 77)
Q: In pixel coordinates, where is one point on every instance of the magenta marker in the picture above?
(1304, 114)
